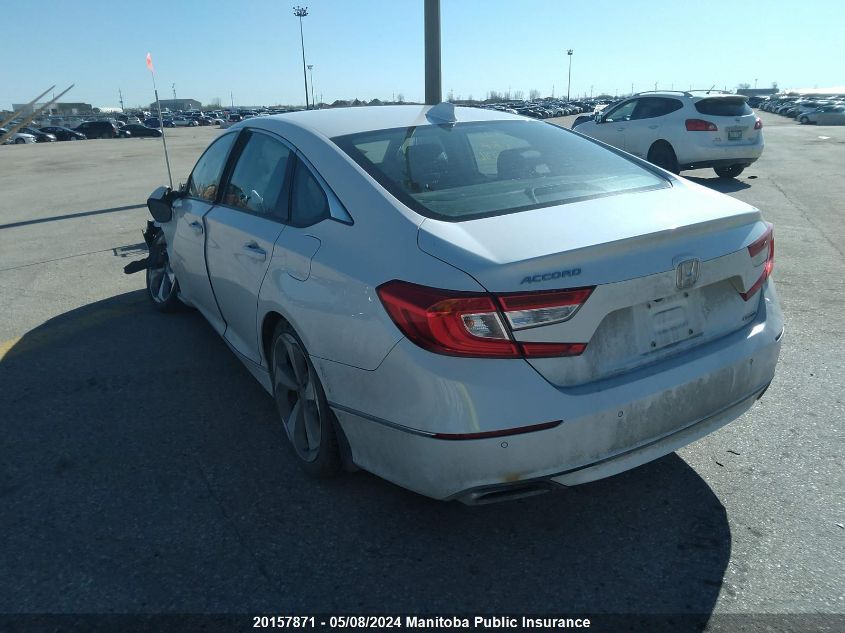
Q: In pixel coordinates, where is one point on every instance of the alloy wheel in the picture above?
(297, 399)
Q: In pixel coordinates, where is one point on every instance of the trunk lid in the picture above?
(629, 247)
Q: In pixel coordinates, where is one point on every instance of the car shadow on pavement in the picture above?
(723, 185)
(144, 470)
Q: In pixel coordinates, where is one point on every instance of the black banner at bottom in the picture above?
(593, 623)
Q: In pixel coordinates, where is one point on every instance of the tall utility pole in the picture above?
(232, 98)
(301, 12)
(569, 81)
(755, 83)
(120, 94)
(433, 89)
(311, 72)
(174, 91)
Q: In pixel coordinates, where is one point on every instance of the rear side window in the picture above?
(724, 106)
(650, 107)
(309, 203)
(478, 169)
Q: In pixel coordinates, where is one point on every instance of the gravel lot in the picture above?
(142, 468)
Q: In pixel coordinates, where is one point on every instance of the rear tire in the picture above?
(662, 155)
(731, 171)
(301, 402)
(19, 141)
(804, 120)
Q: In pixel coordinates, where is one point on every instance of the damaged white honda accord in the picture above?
(470, 304)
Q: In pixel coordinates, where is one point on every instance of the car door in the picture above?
(645, 126)
(187, 242)
(612, 127)
(242, 230)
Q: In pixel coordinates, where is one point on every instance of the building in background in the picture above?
(756, 92)
(177, 104)
(55, 109)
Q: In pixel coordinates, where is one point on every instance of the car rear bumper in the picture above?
(607, 427)
(699, 157)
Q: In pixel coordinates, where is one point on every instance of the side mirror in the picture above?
(159, 203)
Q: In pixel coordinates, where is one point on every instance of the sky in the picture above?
(249, 50)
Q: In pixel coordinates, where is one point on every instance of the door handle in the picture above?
(197, 226)
(254, 250)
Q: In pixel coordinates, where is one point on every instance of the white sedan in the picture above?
(471, 304)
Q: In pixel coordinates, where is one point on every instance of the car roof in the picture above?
(333, 122)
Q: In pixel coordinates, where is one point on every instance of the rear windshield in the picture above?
(471, 170)
(724, 106)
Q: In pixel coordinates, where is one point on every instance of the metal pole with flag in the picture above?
(160, 120)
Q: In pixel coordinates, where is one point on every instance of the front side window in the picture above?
(471, 170)
(258, 179)
(623, 112)
(205, 179)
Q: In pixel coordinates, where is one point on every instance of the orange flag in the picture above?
(150, 62)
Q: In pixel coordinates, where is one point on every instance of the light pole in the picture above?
(301, 12)
(569, 82)
(174, 91)
(755, 83)
(311, 72)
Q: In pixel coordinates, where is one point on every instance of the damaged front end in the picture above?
(156, 247)
(160, 205)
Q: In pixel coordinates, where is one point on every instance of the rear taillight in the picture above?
(758, 123)
(475, 324)
(762, 253)
(700, 125)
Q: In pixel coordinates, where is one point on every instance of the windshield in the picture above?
(470, 170)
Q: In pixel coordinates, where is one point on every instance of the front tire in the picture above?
(302, 406)
(732, 171)
(804, 120)
(19, 141)
(162, 287)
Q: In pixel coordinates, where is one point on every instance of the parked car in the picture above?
(40, 135)
(64, 133)
(142, 130)
(825, 115)
(681, 130)
(18, 138)
(184, 122)
(98, 129)
(634, 314)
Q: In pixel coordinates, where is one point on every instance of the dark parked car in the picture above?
(64, 133)
(141, 130)
(40, 135)
(99, 129)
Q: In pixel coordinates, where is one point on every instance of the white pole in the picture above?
(161, 127)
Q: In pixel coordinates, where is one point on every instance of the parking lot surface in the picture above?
(144, 470)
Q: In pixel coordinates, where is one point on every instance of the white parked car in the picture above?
(18, 138)
(471, 304)
(681, 130)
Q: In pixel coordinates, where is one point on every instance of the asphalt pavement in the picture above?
(142, 469)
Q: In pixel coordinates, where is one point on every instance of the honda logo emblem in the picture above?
(686, 272)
